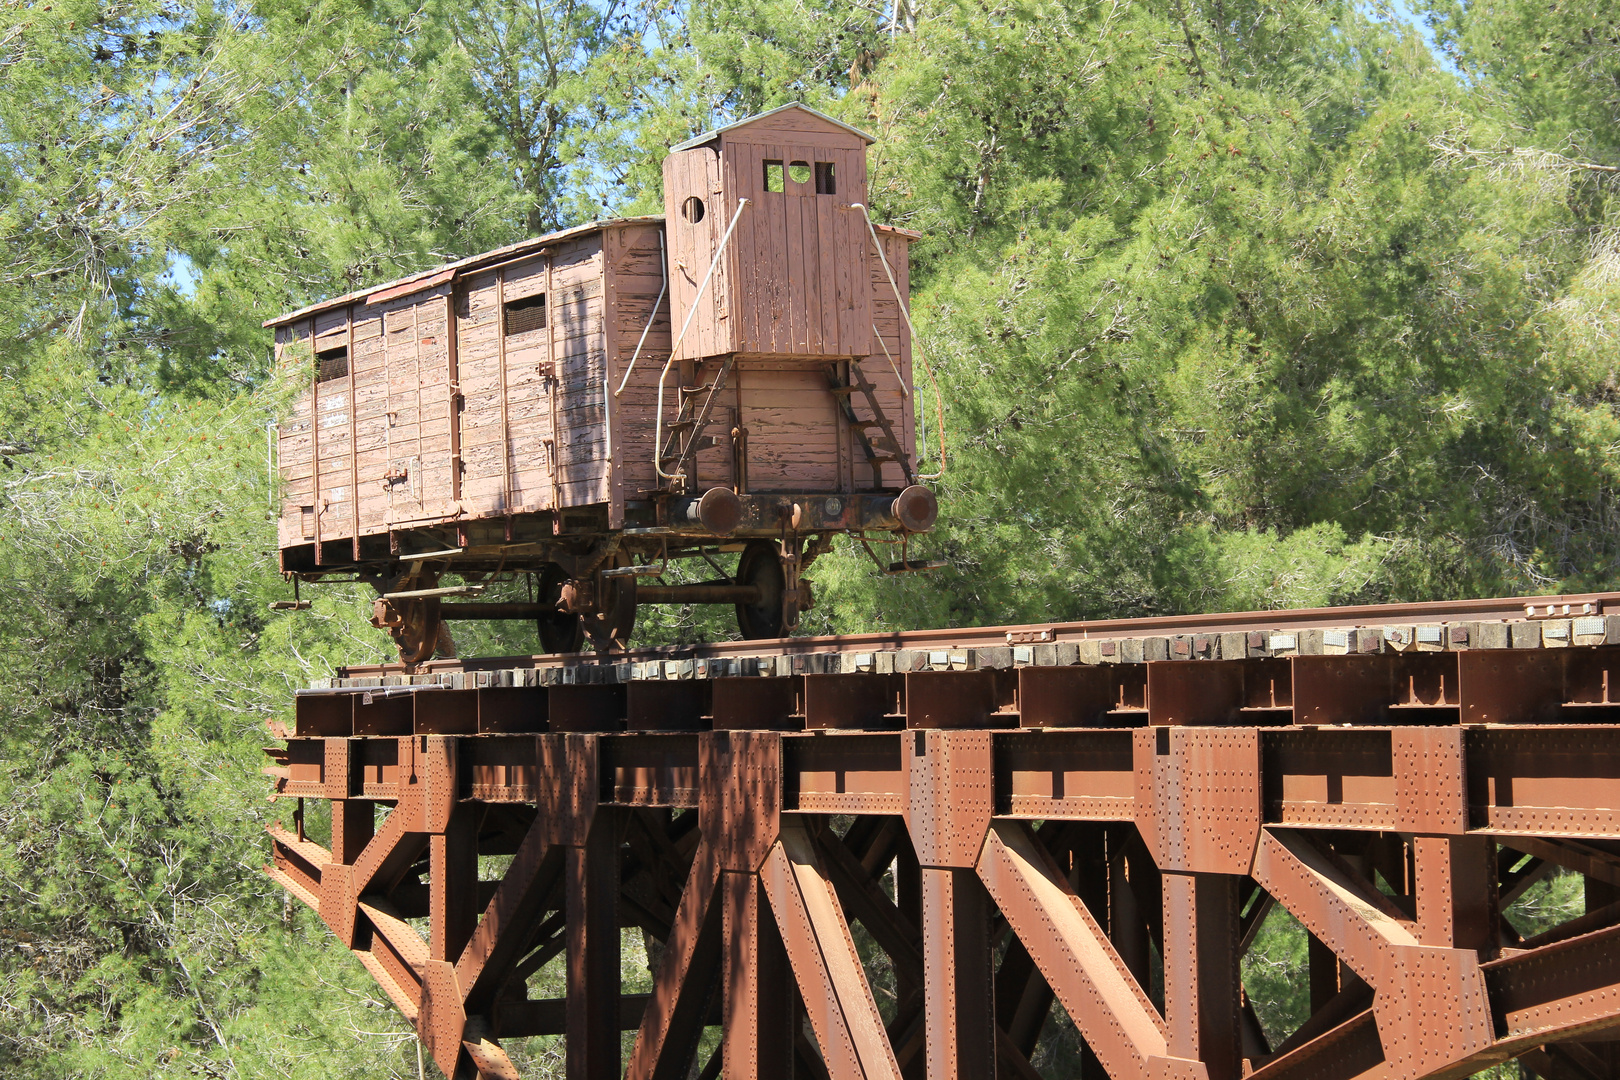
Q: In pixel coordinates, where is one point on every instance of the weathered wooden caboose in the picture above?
(522, 411)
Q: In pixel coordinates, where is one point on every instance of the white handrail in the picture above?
(663, 287)
(906, 315)
(898, 378)
(607, 379)
(658, 423)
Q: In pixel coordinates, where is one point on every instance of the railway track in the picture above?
(1492, 610)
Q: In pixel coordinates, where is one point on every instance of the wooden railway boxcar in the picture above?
(587, 405)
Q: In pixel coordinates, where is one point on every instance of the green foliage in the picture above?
(1223, 322)
(1276, 975)
(1552, 900)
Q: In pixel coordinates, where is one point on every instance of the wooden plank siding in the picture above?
(387, 429)
(793, 426)
(695, 174)
(515, 461)
(295, 440)
(637, 285)
(787, 285)
(800, 294)
(636, 279)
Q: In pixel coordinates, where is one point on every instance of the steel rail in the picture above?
(1494, 609)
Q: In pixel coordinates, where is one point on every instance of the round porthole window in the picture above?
(692, 209)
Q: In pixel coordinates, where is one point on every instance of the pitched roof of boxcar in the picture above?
(717, 132)
(428, 279)
(909, 234)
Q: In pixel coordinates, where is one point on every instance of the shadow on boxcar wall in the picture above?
(578, 463)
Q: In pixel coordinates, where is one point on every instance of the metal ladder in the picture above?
(880, 448)
(686, 432)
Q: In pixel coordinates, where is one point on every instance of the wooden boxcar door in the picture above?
(447, 481)
(404, 379)
(530, 376)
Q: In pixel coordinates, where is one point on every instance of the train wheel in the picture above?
(761, 566)
(447, 644)
(560, 631)
(414, 625)
(610, 626)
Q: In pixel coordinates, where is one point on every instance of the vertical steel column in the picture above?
(453, 884)
(758, 1005)
(957, 970)
(1455, 887)
(1090, 851)
(1600, 894)
(1132, 887)
(908, 898)
(1201, 975)
(592, 909)
(354, 823)
(1325, 976)
(947, 815)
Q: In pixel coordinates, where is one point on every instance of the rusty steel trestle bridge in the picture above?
(1093, 816)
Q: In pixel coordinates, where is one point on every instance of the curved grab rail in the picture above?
(939, 402)
(663, 287)
(658, 423)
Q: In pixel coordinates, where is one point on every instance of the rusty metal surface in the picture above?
(903, 863)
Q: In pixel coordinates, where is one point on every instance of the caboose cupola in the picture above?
(793, 280)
